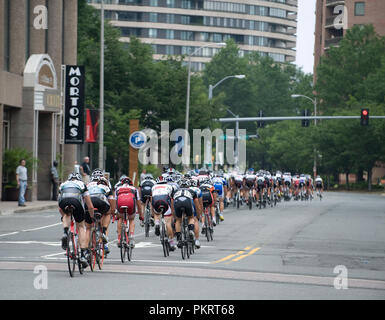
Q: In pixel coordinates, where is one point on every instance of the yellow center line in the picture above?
(232, 255)
(246, 255)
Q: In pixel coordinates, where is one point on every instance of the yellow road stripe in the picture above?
(232, 255)
(246, 255)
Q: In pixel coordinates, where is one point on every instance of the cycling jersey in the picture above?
(250, 180)
(72, 193)
(207, 194)
(146, 189)
(161, 197)
(126, 196)
(218, 186)
(100, 194)
(184, 201)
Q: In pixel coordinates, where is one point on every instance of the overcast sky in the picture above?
(305, 35)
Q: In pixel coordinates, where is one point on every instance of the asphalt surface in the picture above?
(286, 252)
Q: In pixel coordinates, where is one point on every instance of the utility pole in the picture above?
(101, 115)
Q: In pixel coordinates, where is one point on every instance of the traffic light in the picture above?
(305, 122)
(364, 117)
(261, 124)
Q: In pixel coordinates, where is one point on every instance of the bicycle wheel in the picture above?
(250, 202)
(207, 231)
(93, 253)
(217, 217)
(129, 251)
(100, 253)
(147, 222)
(123, 241)
(71, 254)
(163, 239)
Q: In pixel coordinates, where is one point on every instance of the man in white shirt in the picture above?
(21, 177)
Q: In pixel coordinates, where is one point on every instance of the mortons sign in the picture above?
(74, 105)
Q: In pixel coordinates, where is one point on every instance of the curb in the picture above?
(24, 210)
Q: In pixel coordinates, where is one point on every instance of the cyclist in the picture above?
(73, 192)
(287, 188)
(126, 195)
(198, 209)
(260, 179)
(185, 199)
(145, 189)
(220, 187)
(238, 185)
(162, 194)
(296, 186)
(208, 199)
(319, 185)
(250, 179)
(302, 183)
(103, 200)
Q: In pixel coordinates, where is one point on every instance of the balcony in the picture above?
(291, 31)
(292, 2)
(333, 42)
(292, 16)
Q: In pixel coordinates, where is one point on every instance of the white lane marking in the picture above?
(44, 227)
(48, 243)
(8, 234)
(28, 230)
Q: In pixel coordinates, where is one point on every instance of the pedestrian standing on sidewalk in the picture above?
(85, 170)
(54, 180)
(22, 177)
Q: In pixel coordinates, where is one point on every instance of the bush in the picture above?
(11, 159)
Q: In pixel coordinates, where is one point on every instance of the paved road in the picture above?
(286, 252)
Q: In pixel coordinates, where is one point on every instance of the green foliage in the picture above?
(11, 160)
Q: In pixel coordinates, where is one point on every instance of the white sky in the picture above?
(305, 35)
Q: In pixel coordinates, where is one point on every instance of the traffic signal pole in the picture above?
(293, 118)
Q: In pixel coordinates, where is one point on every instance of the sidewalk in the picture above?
(11, 207)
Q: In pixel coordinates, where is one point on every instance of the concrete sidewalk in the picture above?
(11, 207)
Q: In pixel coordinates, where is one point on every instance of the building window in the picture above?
(359, 8)
(170, 18)
(152, 33)
(153, 3)
(170, 34)
(171, 3)
(186, 35)
(153, 17)
(169, 50)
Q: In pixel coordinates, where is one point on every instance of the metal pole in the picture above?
(101, 116)
(210, 92)
(315, 151)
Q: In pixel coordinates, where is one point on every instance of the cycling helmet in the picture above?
(169, 179)
(149, 176)
(184, 183)
(161, 179)
(97, 172)
(125, 179)
(194, 182)
(74, 175)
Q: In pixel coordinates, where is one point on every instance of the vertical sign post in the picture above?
(133, 154)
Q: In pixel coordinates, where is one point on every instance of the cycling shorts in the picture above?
(78, 213)
(146, 192)
(238, 184)
(183, 204)
(288, 183)
(101, 205)
(162, 201)
(318, 185)
(250, 183)
(207, 198)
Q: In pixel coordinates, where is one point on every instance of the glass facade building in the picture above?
(176, 27)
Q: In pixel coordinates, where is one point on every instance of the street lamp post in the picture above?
(222, 44)
(315, 124)
(212, 87)
(101, 116)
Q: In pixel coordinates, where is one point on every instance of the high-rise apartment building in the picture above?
(178, 27)
(334, 17)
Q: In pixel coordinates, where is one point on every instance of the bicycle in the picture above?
(250, 201)
(125, 246)
(187, 241)
(319, 194)
(96, 243)
(72, 251)
(147, 219)
(208, 224)
(163, 235)
(217, 210)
